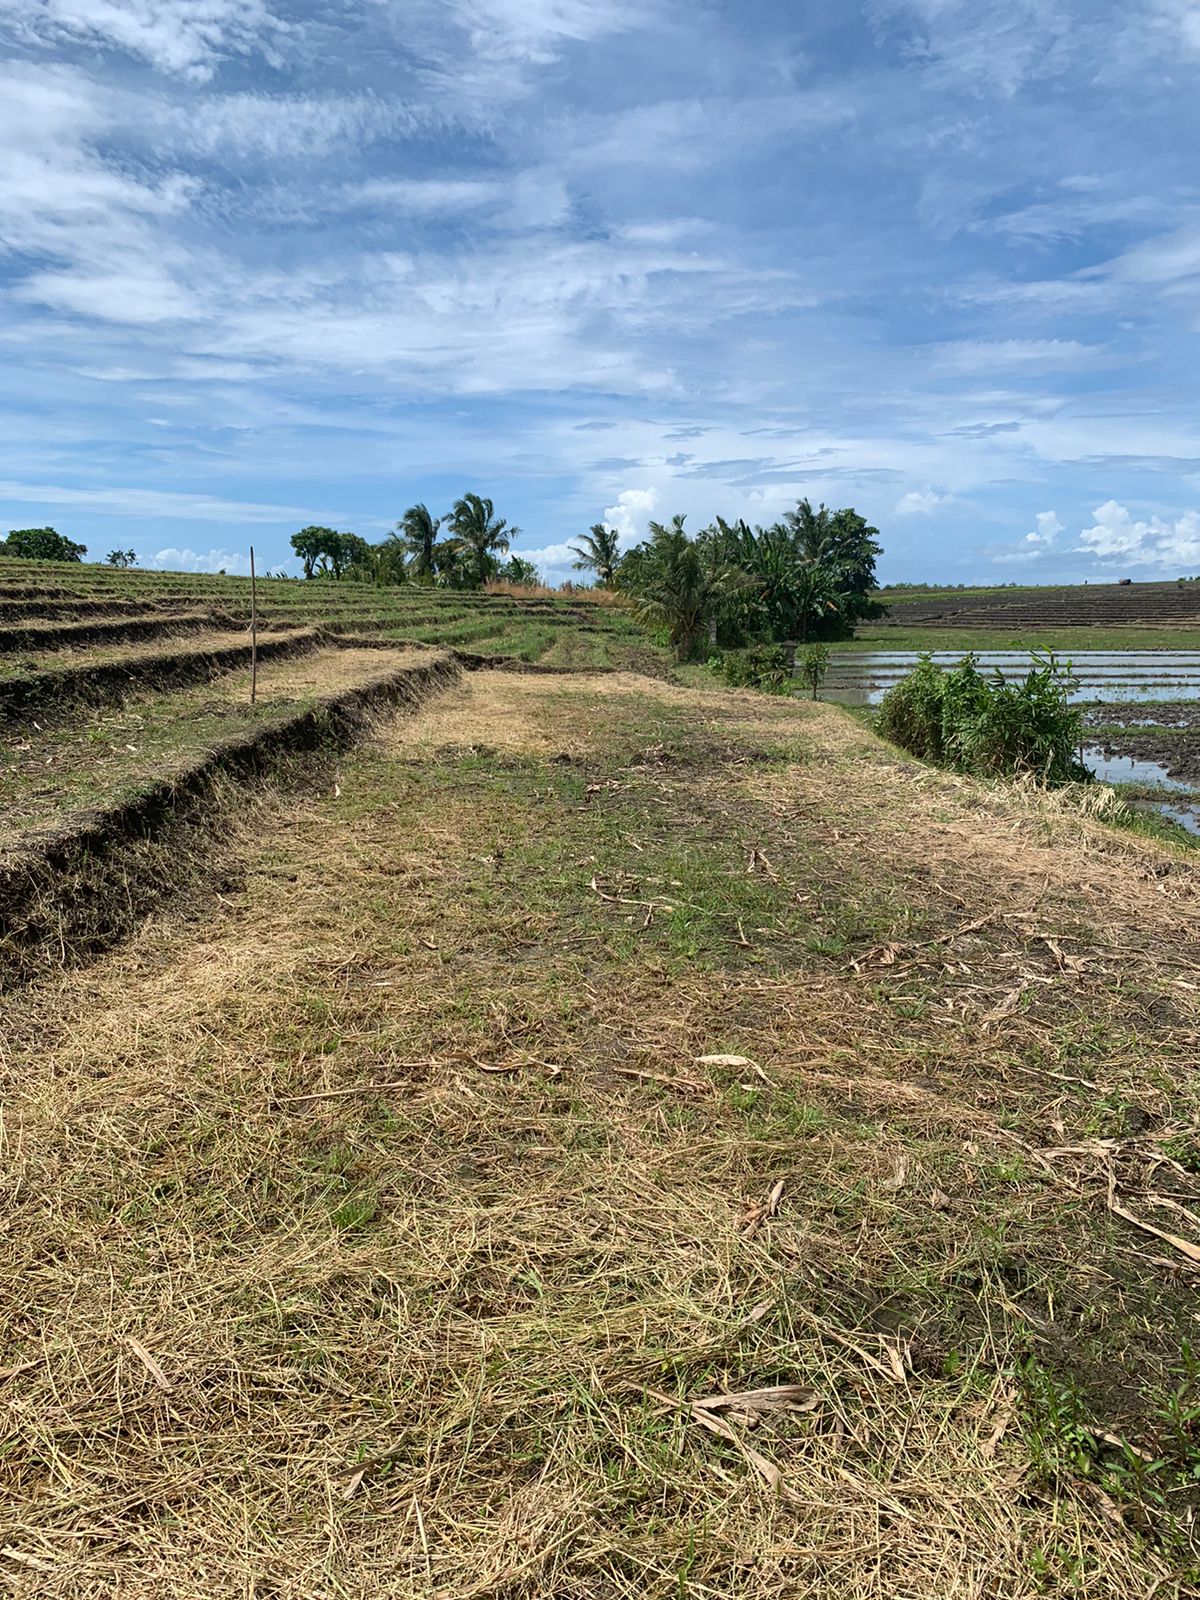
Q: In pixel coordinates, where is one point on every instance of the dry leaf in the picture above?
(1184, 1246)
(895, 1360)
(796, 1396)
(150, 1364)
(761, 1310)
(895, 1183)
(766, 1469)
(991, 1444)
(758, 1214)
(724, 1061)
(1006, 1007)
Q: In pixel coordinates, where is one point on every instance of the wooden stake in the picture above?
(253, 631)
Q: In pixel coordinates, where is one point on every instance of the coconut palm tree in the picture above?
(479, 534)
(418, 531)
(599, 552)
(675, 587)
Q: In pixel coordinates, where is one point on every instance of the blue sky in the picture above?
(264, 264)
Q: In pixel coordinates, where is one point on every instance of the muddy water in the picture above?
(863, 678)
(1111, 767)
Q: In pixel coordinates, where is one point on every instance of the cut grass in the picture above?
(378, 1225)
(104, 755)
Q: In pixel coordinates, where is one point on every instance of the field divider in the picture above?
(102, 682)
(110, 630)
(469, 660)
(70, 891)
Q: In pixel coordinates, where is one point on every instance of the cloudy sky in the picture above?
(265, 263)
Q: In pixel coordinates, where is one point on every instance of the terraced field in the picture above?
(127, 722)
(1111, 605)
(40, 605)
(476, 1130)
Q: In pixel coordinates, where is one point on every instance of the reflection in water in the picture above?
(1124, 769)
(1150, 774)
(1188, 817)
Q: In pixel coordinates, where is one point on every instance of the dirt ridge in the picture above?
(56, 635)
(100, 682)
(71, 891)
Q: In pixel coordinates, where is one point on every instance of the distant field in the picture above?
(567, 631)
(1072, 606)
(1016, 636)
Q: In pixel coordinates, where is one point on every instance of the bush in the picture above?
(812, 664)
(979, 723)
(912, 714)
(761, 666)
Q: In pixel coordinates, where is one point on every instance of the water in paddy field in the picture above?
(1114, 677)
(1148, 775)
(862, 678)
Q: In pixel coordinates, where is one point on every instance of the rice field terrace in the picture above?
(1101, 605)
(475, 1130)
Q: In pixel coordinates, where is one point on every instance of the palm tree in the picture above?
(479, 533)
(810, 530)
(675, 587)
(418, 530)
(599, 552)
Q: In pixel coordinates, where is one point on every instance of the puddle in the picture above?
(1142, 719)
(1151, 775)
(1188, 817)
(1107, 676)
(1125, 769)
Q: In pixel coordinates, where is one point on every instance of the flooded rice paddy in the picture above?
(863, 678)
(1144, 706)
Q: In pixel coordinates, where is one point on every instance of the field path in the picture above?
(577, 1051)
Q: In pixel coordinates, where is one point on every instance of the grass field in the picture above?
(587, 1136)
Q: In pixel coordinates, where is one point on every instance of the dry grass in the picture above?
(373, 1232)
(103, 752)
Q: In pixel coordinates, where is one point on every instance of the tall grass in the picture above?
(980, 723)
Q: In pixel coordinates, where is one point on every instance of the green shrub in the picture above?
(912, 714)
(812, 664)
(979, 723)
(760, 666)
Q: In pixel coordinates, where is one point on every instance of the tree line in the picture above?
(45, 544)
(808, 577)
(461, 550)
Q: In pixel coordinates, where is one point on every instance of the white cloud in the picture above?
(268, 127)
(551, 557)
(1048, 528)
(423, 196)
(173, 560)
(1163, 260)
(187, 38)
(140, 294)
(921, 503)
(986, 355)
(1120, 539)
(991, 44)
(152, 503)
(633, 510)
(538, 30)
